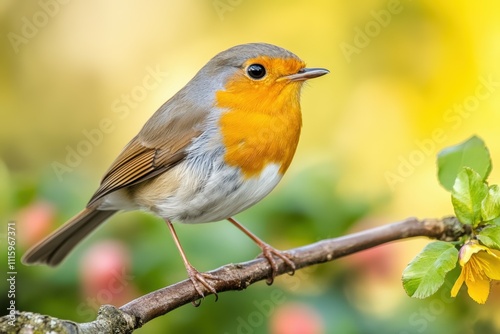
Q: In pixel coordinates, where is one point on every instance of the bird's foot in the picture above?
(200, 283)
(269, 253)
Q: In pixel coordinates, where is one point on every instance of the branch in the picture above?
(237, 277)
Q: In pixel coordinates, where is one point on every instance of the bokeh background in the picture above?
(407, 79)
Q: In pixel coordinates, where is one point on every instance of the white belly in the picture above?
(223, 195)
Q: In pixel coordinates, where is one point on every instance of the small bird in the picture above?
(214, 149)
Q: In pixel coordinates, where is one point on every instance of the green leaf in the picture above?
(426, 272)
(490, 237)
(495, 221)
(471, 153)
(490, 206)
(467, 194)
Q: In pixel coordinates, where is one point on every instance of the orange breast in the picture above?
(261, 125)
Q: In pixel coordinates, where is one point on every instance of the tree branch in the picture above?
(239, 276)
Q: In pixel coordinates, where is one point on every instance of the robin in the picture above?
(214, 149)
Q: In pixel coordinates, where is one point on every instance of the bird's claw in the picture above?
(268, 252)
(200, 280)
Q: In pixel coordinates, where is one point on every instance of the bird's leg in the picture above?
(196, 277)
(267, 251)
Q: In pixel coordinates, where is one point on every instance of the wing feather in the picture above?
(159, 146)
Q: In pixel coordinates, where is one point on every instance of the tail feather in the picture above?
(53, 249)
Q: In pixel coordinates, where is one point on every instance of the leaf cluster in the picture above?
(463, 170)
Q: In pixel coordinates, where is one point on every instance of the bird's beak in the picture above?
(305, 74)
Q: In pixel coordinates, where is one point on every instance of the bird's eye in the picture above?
(256, 71)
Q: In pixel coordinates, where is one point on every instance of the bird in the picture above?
(215, 148)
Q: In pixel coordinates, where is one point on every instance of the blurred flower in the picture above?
(35, 222)
(296, 319)
(104, 271)
(480, 265)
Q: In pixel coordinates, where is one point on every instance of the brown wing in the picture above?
(160, 145)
